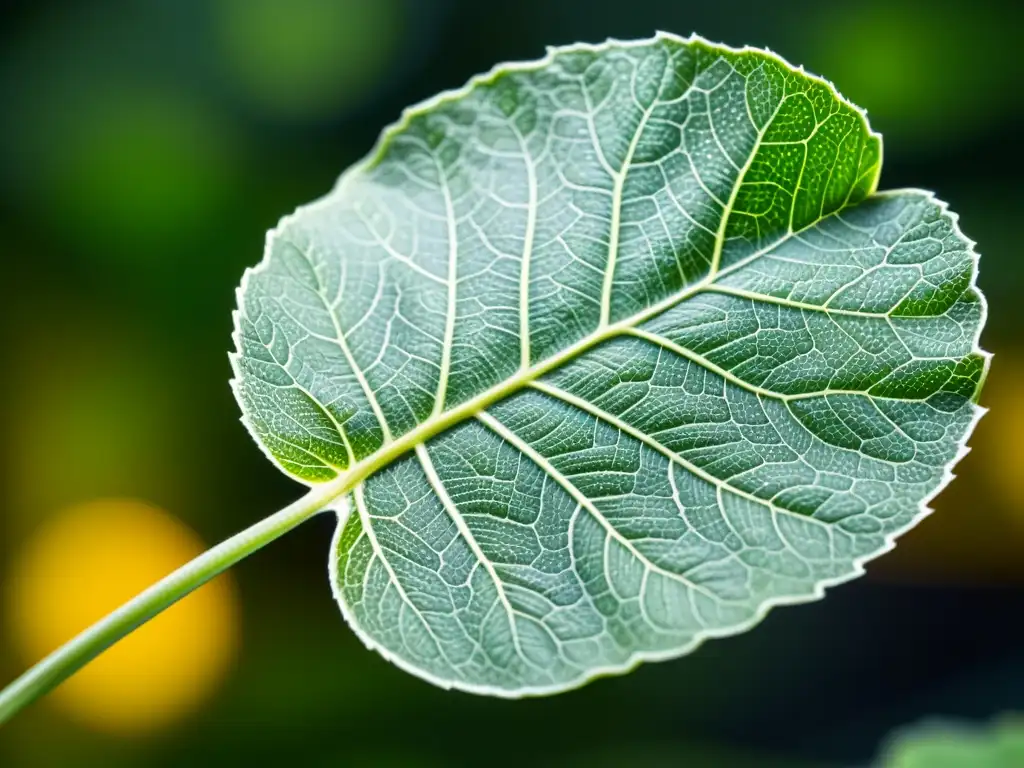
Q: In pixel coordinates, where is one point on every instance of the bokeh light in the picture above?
(307, 58)
(1004, 447)
(94, 410)
(959, 745)
(909, 64)
(88, 560)
(140, 167)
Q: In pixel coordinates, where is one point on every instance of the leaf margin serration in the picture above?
(342, 505)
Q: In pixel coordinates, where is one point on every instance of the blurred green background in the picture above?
(145, 148)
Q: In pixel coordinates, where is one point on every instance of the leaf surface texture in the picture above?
(624, 349)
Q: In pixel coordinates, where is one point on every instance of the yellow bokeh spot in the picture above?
(87, 561)
(1002, 430)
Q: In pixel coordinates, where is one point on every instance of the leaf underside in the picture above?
(624, 348)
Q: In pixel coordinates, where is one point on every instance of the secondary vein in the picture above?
(460, 523)
(528, 237)
(616, 225)
(449, 323)
(716, 256)
(580, 498)
(342, 343)
(602, 415)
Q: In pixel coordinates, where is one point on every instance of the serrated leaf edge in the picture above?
(342, 505)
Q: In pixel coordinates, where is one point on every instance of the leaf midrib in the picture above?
(441, 421)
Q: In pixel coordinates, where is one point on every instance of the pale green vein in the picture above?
(716, 255)
(342, 435)
(790, 303)
(367, 524)
(695, 357)
(580, 498)
(600, 414)
(616, 225)
(453, 268)
(399, 257)
(527, 254)
(342, 343)
(467, 535)
(832, 170)
(799, 181)
(439, 422)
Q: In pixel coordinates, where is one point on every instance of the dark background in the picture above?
(145, 148)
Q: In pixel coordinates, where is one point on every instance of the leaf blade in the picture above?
(741, 375)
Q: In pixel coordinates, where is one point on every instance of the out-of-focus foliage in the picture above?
(1004, 471)
(941, 745)
(307, 58)
(904, 59)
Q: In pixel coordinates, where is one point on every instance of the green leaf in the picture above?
(954, 745)
(607, 354)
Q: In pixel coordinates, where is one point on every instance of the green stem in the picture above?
(79, 651)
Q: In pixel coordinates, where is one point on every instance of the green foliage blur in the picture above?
(937, 744)
(146, 147)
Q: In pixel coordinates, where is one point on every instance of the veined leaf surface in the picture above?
(609, 353)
